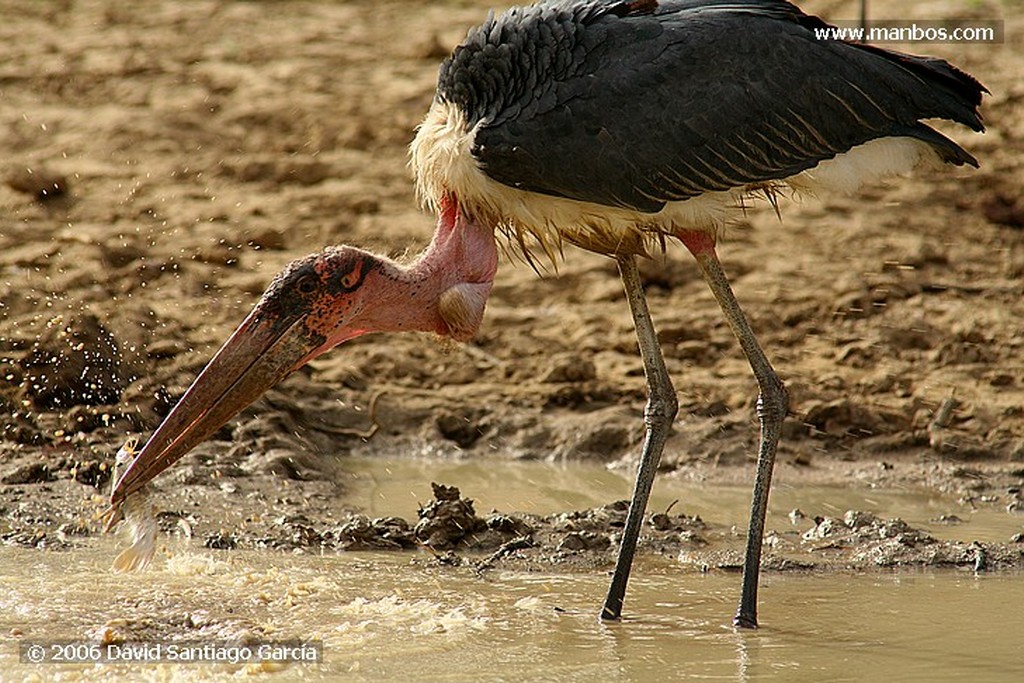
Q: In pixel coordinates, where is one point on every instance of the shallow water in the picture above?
(397, 487)
(381, 618)
(399, 616)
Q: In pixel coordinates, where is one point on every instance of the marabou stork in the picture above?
(611, 125)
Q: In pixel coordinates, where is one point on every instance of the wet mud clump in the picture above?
(865, 540)
(450, 530)
(447, 520)
(446, 523)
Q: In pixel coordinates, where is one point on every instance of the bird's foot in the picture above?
(745, 621)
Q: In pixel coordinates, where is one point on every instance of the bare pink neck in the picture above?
(446, 289)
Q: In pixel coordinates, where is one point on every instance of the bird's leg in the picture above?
(658, 415)
(772, 404)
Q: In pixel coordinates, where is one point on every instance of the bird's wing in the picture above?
(634, 104)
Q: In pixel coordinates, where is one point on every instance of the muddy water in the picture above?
(401, 616)
(397, 487)
(382, 618)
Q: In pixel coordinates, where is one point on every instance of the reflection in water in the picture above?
(400, 616)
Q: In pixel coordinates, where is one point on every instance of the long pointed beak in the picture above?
(261, 352)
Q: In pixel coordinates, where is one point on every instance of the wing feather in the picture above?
(594, 102)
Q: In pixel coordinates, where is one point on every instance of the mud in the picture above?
(163, 161)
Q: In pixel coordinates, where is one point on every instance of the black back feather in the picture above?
(634, 104)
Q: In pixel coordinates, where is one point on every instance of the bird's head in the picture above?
(314, 304)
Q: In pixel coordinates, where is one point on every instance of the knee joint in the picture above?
(661, 407)
(773, 399)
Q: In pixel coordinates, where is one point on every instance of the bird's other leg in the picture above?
(772, 404)
(658, 416)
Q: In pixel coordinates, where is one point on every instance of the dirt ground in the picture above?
(165, 159)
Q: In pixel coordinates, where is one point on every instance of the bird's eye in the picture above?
(307, 284)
